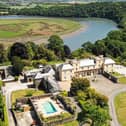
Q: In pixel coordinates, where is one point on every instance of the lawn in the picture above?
(5, 122)
(116, 74)
(25, 93)
(120, 105)
(121, 78)
(73, 123)
(11, 28)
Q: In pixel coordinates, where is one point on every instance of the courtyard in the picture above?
(48, 107)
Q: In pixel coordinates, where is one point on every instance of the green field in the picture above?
(120, 105)
(24, 93)
(11, 28)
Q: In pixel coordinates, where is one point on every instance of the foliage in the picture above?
(98, 115)
(17, 65)
(3, 112)
(16, 78)
(3, 54)
(103, 10)
(67, 51)
(18, 49)
(31, 49)
(36, 63)
(57, 45)
(79, 84)
(57, 117)
(1, 84)
(94, 105)
(45, 53)
(73, 123)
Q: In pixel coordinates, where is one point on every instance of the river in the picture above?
(96, 29)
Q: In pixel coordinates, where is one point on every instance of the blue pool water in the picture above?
(48, 108)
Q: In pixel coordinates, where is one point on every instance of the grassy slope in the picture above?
(14, 28)
(120, 105)
(22, 93)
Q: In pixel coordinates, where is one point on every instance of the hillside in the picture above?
(29, 1)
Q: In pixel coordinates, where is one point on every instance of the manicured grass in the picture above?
(121, 78)
(73, 123)
(24, 93)
(120, 105)
(5, 122)
(116, 74)
(11, 28)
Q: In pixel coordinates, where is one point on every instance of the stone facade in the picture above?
(84, 67)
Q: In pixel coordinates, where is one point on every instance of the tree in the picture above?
(88, 46)
(79, 84)
(31, 49)
(18, 49)
(1, 108)
(3, 55)
(98, 116)
(45, 53)
(17, 65)
(67, 51)
(56, 44)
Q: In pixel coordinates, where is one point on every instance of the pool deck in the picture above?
(57, 105)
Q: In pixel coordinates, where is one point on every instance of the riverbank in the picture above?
(89, 29)
(35, 29)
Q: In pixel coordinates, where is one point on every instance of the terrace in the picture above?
(47, 107)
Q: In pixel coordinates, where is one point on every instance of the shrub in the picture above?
(16, 78)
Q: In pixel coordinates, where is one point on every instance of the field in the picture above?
(120, 105)
(24, 93)
(11, 28)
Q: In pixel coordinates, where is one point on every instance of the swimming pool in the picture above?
(48, 108)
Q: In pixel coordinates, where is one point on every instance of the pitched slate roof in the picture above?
(41, 75)
(87, 62)
(66, 66)
(109, 61)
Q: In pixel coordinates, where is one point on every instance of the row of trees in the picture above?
(22, 54)
(114, 45)
(1, 107)
(103, 10)
(94, 105)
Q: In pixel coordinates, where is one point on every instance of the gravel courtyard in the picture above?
(105, 86)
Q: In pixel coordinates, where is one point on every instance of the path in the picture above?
(8, 89)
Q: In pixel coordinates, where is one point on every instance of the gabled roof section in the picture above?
(66, 66)
(41, 75)
(87, 62)
(109, 61)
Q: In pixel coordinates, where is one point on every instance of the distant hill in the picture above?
(29, 1)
